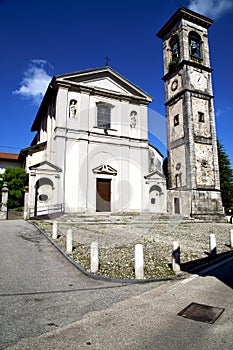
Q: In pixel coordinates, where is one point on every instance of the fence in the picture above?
(49, 210)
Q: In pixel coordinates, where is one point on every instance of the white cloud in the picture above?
(211, 8)
(219, 112)
(35, 81)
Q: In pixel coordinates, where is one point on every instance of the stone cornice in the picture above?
(91, 136)
(183, 63)
(93, 90)
(195, 93)
(183, 13)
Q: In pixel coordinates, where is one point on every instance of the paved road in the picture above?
(82, 313)
(223, 271)
(149, 321)
(41, 291)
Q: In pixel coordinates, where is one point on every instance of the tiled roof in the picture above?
(11, 156)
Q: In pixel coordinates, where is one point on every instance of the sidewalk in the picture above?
(149, 321)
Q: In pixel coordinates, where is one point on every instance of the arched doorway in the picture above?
(155, 197)
(43, 196)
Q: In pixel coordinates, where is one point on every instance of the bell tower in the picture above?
(193, 180)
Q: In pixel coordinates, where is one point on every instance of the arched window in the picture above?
(175, 48)
(155, 188)
(44, 190)
(44, 181)
(154, 193)
(195, 45)
(174, 54)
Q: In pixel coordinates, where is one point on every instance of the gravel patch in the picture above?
(117, 240)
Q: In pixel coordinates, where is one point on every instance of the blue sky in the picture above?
(42, 38)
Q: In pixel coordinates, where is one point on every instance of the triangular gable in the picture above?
(155, 175)
(105, 169)
(45, 166)
(107, 84)
(105, 78)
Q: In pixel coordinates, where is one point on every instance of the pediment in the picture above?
(105, 79)
(105, 169)
(45, 166)
(107, 84)
(155, 175)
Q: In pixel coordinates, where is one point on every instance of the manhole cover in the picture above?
(201, 313)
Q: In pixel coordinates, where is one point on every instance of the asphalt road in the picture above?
(150, 321)
(40, 291)
(222, 271)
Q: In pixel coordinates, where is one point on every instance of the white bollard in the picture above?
(231, 238)
(175, 257)
(69, 245)
(139, 261)
(94, 257)
(213, 249)
(55, 230)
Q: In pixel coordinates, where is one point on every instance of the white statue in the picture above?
(133, 119)
(73, 109)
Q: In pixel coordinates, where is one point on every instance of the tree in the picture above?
(17, 180)
(226, 178)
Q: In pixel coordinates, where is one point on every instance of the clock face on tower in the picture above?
(174, 85)
(198, 80)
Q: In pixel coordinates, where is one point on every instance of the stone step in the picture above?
(120, 218)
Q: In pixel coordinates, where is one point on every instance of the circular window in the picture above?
(178, 166)
(43, 197)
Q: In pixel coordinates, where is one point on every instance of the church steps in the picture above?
(121, 219)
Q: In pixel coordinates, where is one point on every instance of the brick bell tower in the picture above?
(193, 181)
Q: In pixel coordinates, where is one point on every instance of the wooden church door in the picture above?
(103, 195)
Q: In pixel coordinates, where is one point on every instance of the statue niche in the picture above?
(73, 108)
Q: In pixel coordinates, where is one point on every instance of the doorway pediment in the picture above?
(45, 166)
(105, 169)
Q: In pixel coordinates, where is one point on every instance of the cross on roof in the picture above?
(107, 61)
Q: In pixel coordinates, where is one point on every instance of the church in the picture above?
(91, 152)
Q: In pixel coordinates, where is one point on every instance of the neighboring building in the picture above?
(11, 160)
(91, 152)
(193, 173)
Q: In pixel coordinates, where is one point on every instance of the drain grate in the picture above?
(201, 313)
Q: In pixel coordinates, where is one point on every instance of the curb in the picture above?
(128, 280)
(105, 278)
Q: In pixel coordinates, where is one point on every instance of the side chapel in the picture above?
(91, 152)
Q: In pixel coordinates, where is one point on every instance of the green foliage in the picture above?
(226, 178)
(173, 64)
(16, 179)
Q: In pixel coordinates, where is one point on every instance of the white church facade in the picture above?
(91, 152)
